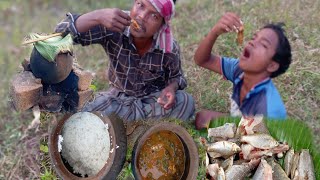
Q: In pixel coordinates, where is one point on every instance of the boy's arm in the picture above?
(203, 57)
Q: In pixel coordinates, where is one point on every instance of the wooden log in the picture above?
(84, 97)
(25, 90)
(85, 79)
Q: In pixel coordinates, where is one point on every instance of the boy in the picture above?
(265, 56)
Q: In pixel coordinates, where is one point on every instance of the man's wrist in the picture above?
(174, 86)
(96, 16)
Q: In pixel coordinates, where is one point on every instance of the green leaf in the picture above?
(44, 148)
(93, 87)
(51, 47)
(296, 133)
(221, 121)
(48, 175)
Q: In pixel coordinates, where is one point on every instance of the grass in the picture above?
(299, 86)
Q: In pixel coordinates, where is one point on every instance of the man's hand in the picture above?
(113, 19)
(227, 23)
(167, 98)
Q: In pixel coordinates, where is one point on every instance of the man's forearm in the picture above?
(174, 86)
(87, 21)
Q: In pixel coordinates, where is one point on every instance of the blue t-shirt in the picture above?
(263, 98)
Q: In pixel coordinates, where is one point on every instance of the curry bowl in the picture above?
(165, 151)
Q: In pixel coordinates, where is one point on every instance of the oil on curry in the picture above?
(162, 157)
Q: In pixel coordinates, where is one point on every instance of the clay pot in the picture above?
(190, 149)
(51, 72)
(115, 161)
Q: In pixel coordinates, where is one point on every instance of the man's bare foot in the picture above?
(204, 117)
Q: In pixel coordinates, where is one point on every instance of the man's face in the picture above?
(258, 52)
(147, 17)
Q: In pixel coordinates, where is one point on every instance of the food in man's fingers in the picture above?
(135, 25)
(163, 100)
(240, 35)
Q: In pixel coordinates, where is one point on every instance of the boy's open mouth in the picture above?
(246, 53)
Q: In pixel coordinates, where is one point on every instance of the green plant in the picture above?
(44, 148)
(47, 175)
(126, 173)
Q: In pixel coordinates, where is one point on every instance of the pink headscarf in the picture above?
(166, 10)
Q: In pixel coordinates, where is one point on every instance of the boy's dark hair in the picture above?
(174, 1)
(283, 51)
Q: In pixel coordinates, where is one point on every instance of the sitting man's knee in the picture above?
(184, 96)
(185, 104)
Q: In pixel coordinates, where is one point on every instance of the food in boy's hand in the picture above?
(135, 25)
(240, 35)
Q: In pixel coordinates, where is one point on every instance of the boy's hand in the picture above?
(114, 19)
(227, 23)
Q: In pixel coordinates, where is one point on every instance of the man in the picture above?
(145, 76)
